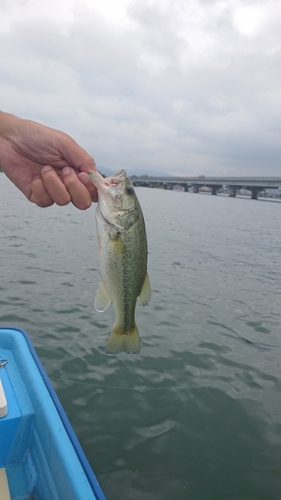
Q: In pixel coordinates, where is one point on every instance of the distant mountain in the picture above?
(105, 171)
(134, 171)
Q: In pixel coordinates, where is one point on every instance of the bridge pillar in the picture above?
(214, 190)
(186, 186)
(196, 188)
(255, 192)
(232, 191)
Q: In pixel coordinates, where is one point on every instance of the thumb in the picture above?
(76, 156)
(85, 179)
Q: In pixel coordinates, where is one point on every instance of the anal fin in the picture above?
(145, 295)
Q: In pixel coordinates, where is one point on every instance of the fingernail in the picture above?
(66, 170)
(46, 168)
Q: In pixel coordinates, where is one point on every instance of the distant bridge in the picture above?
(253, 184)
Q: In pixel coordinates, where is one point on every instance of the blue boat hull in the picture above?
(39, 449)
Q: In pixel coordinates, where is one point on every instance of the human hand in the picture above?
(47, 165)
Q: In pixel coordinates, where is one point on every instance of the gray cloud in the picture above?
(179, 86)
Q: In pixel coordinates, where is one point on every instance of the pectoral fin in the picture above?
(102, 299)
(145, 295)
(117, 244)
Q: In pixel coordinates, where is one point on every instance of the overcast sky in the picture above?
(189, 87)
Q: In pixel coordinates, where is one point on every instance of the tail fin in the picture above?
(119, 341)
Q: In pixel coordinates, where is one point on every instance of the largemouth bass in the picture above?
(122, 249)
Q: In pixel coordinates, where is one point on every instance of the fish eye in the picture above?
(129, 190)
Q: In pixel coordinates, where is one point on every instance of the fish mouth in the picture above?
(103, 184)
(120, 175)
(116, 178)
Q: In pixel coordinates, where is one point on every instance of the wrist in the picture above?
(8, 123)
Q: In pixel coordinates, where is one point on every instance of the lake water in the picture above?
(197, 414)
